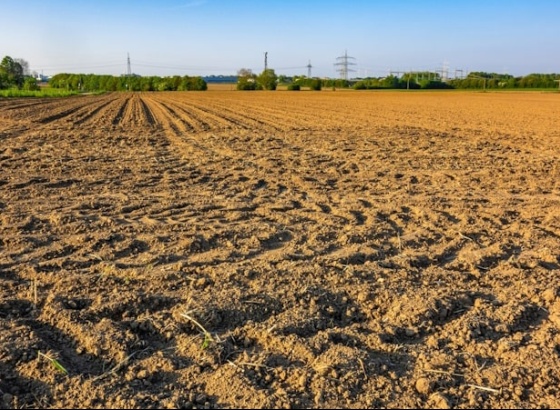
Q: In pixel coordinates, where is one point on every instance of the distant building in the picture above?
(42, 78)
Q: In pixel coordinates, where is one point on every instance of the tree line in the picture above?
(14, 73)
(268, 80)
(495, 81)
(474, 80)
(99, 83)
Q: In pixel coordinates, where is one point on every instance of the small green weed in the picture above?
(56, 364)
(208, 339)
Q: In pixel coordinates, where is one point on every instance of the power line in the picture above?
(78, 67)
(177, 67)
(292, 68)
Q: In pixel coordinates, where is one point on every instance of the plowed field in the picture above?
(280, 249)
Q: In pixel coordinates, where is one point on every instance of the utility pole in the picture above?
(309, 67)
(266, 61)
(343, 62)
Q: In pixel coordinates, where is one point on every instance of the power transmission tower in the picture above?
(343, 62)
(309, 67)
(128, 69)
(445, 72)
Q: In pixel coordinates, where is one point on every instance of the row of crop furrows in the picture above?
(32, 111)
(75, 109)
(9, 104)
(230, 113)
(291, 112)
(253, 114)
(128, 112)
(189, 115)
(182, 113)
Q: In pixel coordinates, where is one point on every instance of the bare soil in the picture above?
(233, 249)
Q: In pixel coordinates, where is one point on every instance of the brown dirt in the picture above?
(339, 249)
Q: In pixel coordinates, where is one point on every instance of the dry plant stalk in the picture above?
(207, 336)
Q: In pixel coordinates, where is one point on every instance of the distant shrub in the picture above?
(431, 85)
(293, 87)
(246, 85)
(30, 84)
(360, 85)
(267, 80)
(246, 80)
(193, 84)
(315, 84)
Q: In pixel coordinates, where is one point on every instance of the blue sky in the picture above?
(204, 37)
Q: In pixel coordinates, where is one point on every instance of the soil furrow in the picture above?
(90, 115)
(77, 104)
(118, 118)
(168, 118)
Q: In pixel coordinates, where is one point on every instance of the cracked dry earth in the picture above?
(277, 249)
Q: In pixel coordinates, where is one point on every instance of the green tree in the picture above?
(315, 84)
(30, 84)
(11, 73)
(246, 80)
(193, 84)
(267, 80)
(24, 66)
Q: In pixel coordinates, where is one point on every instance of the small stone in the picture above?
(410, 332)
(439, 401)
(423, 386)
